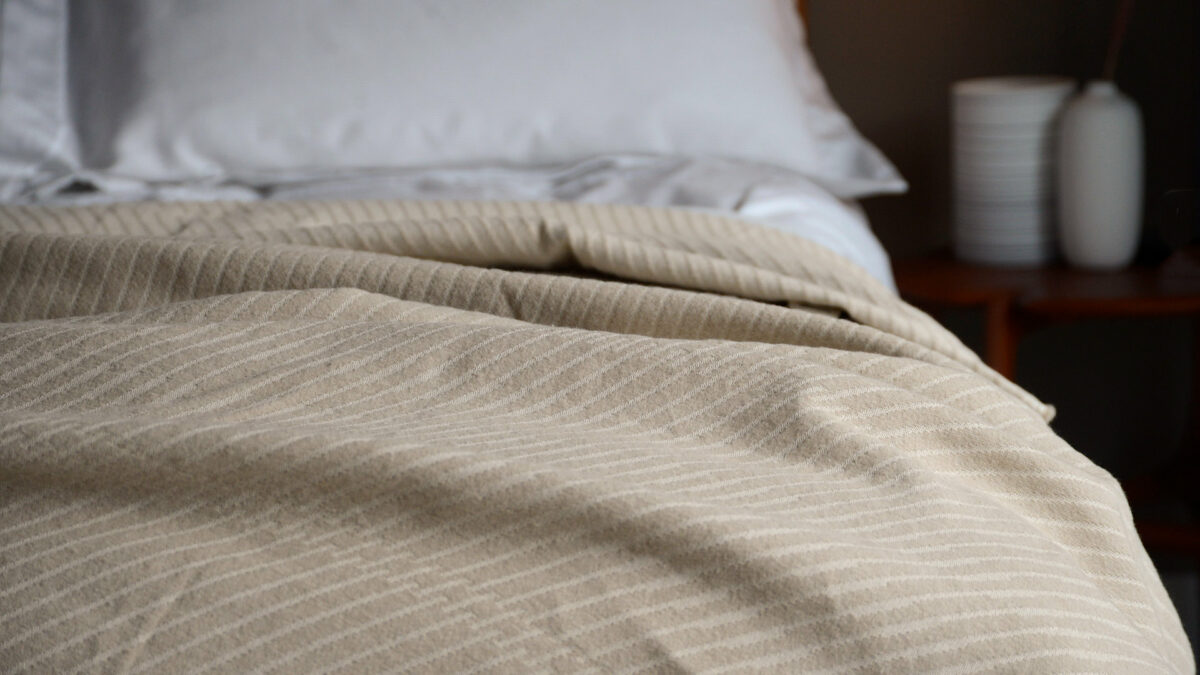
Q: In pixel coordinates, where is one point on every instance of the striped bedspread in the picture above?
(502, 437)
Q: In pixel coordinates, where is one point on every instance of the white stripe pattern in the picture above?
(509, 437)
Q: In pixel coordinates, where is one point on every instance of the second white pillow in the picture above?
(260, 91)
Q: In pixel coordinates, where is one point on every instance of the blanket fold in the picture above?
(517, 437)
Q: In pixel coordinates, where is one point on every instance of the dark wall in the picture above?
(890, 64)
(1122, 388)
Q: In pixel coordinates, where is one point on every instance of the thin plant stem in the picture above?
(1117, 38)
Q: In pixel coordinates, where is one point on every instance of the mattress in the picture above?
(524, 437)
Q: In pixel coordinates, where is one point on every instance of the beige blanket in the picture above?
(378, 436)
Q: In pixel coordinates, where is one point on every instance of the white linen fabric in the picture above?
(36, 141)
(766, 195)
(264, 91)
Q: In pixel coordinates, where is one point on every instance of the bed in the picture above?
(508, 374)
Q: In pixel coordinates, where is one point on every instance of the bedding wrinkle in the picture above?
(159, 612)
(524, 437)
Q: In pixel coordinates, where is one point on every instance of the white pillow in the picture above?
(36, 142)
(267, 91)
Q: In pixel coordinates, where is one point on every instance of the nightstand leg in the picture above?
(1189, 452)
(1000, 340)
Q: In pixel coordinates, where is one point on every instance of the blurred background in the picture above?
(890, 65)
(1122, 387)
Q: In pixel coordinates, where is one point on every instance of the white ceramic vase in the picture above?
(1100, 178)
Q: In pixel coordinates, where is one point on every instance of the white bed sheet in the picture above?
(767, 195)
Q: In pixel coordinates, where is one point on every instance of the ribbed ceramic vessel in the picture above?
(1004, 145)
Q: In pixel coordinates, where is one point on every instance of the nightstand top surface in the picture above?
(1170, 288)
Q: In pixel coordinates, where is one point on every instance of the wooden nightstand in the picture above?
(1016, 301)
